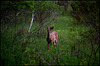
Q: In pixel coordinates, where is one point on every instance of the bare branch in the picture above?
(31, 22)
(42, 58)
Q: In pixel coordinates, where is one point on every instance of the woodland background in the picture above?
(24, 32)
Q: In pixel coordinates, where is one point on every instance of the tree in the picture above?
(86, 12)
(43, 10)
(62, 3)
(11, 9)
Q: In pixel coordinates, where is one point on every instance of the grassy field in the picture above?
(70, 41)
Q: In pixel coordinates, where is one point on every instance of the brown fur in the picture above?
(51, 37)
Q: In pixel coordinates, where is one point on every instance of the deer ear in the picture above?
(51, 27)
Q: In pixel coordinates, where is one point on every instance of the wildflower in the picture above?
(85, 58)
(85, 61)
(81, 59)
(33, 61)
(58, 60)
(80, 63)
(26, 64)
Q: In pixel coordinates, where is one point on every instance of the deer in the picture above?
(51, 37)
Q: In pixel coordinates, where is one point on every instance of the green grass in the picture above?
(69, 34)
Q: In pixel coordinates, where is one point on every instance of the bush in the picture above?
(86, 12)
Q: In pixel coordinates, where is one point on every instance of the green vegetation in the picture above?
(76, 41)
(86, 12)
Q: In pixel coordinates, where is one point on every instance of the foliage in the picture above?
(86, 12)
(75, 46)
(11, 10)
(16, 5)
(44, 9)
(44, 5)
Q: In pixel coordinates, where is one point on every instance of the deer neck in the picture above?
(48, 36)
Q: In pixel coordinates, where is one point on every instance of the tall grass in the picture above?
(70, 41)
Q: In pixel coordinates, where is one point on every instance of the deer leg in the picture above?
(51, 44)
(55, 43)
(48, 46)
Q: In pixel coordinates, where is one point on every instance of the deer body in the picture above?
(51, 37)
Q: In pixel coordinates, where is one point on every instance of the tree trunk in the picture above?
(31, 22)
